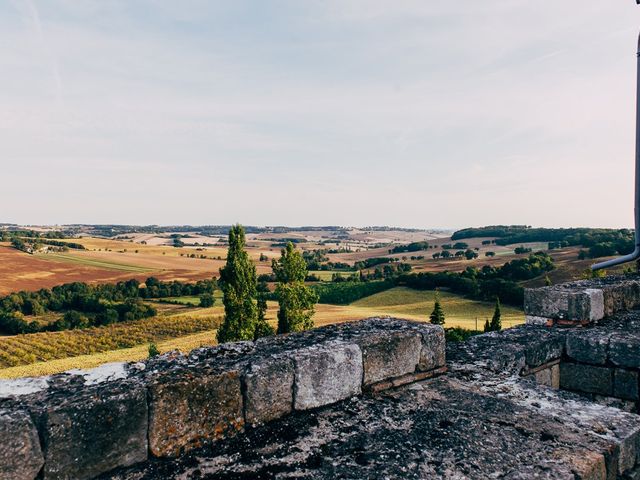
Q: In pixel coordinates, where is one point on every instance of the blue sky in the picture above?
(426, 113)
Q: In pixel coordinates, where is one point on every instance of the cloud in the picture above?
(417, 113)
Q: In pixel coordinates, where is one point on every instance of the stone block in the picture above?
(387, 355)
(543, 377)
(326, 373)
(191, 407)
(589, 346)
(20, 453)
(622, 296)
(577, 304)
(586, 378)
(625, 384)
(555, 376)
(268, 389)
(92, 431)
(432, 354)
(624, 350)
(543, 350)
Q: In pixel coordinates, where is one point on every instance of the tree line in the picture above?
(86, 305)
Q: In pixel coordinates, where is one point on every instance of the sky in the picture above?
(425, 113)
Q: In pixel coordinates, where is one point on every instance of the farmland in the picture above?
(181, 323)
(186, 328)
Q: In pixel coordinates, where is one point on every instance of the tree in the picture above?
(263, 329)
(496, 322)
(295, 299)
(487, 326)
(207, 300)
(238, 283)
(153, 350)
(437, 316)
(547, 281)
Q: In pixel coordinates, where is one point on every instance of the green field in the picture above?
(459, 311)
(326, 275)
(190, 301)
(60, 257)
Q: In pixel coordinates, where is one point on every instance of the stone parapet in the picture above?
(582, 302)
(84, 424)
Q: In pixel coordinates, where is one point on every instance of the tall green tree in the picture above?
(437, 316)
(238, 283)
(296, 300)
(496, 320)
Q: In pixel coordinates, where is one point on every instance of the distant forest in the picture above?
(601, 242)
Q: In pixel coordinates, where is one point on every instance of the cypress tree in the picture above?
(437, 316)
(496, 322)
(296, 300)
(238, 283)
(487, 326)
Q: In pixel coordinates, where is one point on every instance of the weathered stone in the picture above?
(561, 302)
(389, 354)
(268, 389)
(191, 407)
(624, 349)
(589, 346)
(623, 295)
(539, 321)
(20, 454)
(543, 377)
(589, 466)
(586, 378)
(543, 349)
(432, 354)
(326, 373)
(95, 430)
(625, 384)
(555, 376)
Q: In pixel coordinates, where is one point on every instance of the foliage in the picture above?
(437, 316)
(458, 334)
(347, 292)
(412, 247)
(207, 300)
(600, 241)
(153, 350)
(295, 299)
(496, 323)
(238, 282)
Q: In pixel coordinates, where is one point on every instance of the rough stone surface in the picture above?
(326, 374)
(625, 384)
(586, 378)
(20, 454)
(389, 355)
(559, 302)
(445, 428)
(624, 349)
(432, 354)
(589, 346)
(94, 431)
(191, 407)
(268, 386)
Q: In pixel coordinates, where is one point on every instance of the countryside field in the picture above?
(187, 328)
(182, 324)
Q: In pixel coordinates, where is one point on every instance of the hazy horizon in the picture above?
(434, 114)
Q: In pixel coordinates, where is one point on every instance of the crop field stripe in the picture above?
(184, 343)
(94, 263)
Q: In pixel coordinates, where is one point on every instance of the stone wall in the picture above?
(84, 424)
(582, 302)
